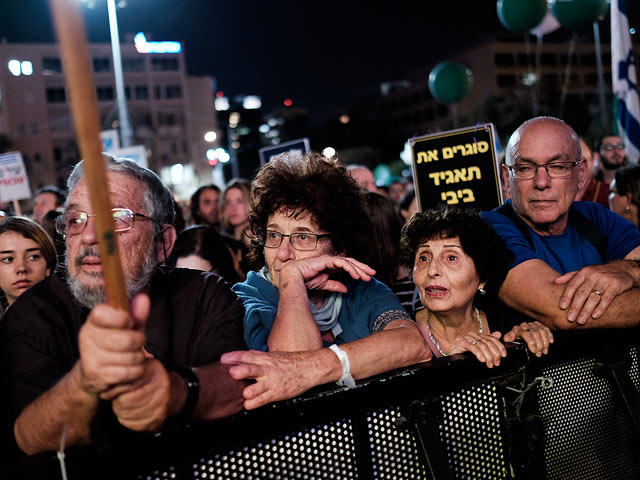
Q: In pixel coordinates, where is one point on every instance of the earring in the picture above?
(482, 291)
(627, 208)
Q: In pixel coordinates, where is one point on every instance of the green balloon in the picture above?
(450, 82)
(574, 14)
(521, 15)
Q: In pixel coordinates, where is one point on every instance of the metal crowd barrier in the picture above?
(573, 414)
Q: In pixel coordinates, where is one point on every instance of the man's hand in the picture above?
(590, 290)
(315, 271)
(145, 403)
(536, 335)
(277, 375)
(111, 346)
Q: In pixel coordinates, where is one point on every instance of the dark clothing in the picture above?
(597, 191)
(195, 318)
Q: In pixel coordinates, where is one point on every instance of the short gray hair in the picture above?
(157, 198)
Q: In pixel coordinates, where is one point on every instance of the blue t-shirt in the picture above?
(366, 308)
(569, 251)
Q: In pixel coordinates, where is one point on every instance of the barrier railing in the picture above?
(573, 414)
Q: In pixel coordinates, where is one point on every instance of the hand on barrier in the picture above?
(486, 347)
(589, 291)
(277, 375)
(537, 336)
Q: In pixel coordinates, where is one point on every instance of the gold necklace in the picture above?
(435, 342)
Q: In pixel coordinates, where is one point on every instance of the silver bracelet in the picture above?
(346, 380)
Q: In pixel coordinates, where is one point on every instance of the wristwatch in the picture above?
(193, 390)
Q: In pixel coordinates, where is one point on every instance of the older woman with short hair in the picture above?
(456, 258)
(310, 292)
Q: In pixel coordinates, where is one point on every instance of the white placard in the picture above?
(14, 183)
(137, 153)
(110, 140)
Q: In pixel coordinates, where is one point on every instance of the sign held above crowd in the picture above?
(457, 167)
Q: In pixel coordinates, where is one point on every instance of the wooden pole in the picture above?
(84, 106)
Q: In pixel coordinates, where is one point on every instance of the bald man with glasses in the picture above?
(576, 263)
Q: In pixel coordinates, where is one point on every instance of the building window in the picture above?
(168, 119)
(164, 64)
(525, 60)
(105, 94)
(127, 93)
(142, 92)
(506, 80)
(548, 59)
(56, 95)
(157, 92)
(504, 60)
(591, 79)
(133, 64)
(588, 59)
(101, 65)
(51, 65)
(173, 91)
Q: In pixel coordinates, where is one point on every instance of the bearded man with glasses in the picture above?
(611, 158)
(576, 263)
(69, 362)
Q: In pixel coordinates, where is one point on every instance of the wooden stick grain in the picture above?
(71, 34)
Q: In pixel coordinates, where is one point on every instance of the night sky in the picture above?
(323, 55)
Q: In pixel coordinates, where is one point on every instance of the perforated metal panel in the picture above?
(159, 475)
(314, 453)
(634, 370)
(472, 433)
(587, 434)
(394, 452)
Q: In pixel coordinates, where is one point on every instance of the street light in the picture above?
(126, 133)
(125, 127)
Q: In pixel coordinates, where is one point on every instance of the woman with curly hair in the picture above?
(456, 257)
(310, 292)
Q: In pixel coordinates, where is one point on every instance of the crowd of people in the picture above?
(307, 275)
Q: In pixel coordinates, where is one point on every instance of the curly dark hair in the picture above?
(317, 185)
(478, 239)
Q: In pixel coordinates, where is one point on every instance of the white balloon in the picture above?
(547, 25)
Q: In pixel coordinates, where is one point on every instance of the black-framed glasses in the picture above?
(299, 240)
(75, 222)
(527, 171)
(611, 148)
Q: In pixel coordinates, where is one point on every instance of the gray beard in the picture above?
(92, 296)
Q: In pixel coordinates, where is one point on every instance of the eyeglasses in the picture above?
(527, 171)
(299, 241)
(610, 148)
(75, 222)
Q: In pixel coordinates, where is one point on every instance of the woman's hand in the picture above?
(536, 335)
(486, 347)
(316, 272)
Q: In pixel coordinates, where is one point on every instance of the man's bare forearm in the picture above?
(40, 425)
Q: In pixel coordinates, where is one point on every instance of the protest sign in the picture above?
(457, 167)
(14, 184)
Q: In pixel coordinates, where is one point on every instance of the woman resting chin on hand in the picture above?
(454, 253)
